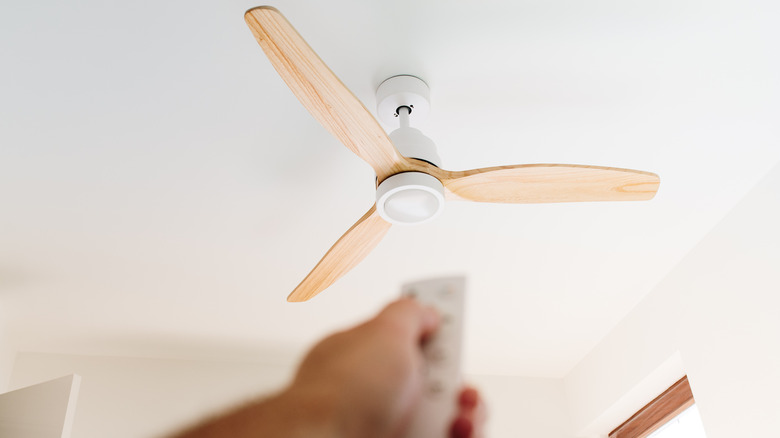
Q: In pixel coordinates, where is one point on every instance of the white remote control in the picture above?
(438, 405)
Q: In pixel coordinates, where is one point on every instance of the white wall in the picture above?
(716, 317)
(44, 410)
(144, 398)
(520, 407)
(7, 355)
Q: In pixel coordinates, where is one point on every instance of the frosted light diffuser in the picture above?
(409, 198)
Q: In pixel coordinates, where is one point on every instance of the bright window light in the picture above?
(686, 425)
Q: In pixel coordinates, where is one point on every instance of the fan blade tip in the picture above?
(297, 298)
(652, 196)
(261, 8)
(255, 13)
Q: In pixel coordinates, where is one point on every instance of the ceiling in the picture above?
(162, 191)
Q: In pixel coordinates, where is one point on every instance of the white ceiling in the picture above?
(162, 191)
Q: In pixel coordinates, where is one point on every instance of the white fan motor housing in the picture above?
(412, 143)
(409, 198)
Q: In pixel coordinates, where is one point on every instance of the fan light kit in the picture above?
(409, 198)
(411, 185)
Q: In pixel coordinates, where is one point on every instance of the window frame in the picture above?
(658, 412)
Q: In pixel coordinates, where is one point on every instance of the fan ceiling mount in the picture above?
(411, 187)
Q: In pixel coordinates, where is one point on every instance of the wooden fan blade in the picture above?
(545, 183)
(344, 255)
(322, 93)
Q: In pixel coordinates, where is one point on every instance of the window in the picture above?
(686, 425)
(670, 415)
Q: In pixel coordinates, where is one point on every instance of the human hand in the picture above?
(361, 382)
(373, 374)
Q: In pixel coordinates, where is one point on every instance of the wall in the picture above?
(716, 317)
(7, 356)
(520, 407)
(144, 398)
(44, 410)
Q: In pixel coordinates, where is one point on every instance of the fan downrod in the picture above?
(408, 198)
(403, 102)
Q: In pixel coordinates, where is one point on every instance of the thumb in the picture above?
(413, 319)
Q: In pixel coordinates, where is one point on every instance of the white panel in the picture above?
(44, 410)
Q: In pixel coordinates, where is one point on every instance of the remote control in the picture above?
(442, 353)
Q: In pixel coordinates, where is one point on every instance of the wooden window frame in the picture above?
(658, 412)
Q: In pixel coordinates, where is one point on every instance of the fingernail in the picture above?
(469, 398)
(461, 428)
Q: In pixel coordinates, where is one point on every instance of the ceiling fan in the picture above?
(411, 188)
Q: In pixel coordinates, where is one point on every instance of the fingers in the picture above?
(470, 421)
(468, 399)
(411, 318)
